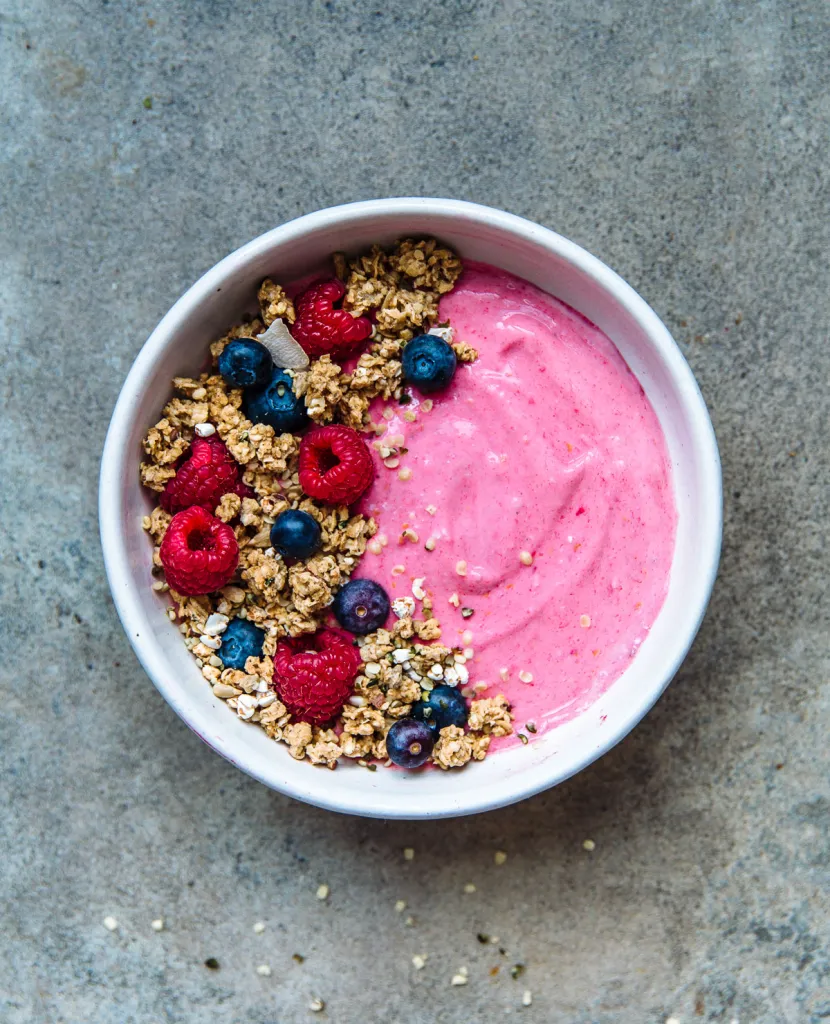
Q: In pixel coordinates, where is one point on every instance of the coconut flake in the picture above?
(445, 333)
(287, 353)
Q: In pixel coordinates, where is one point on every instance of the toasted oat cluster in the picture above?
(292, 598)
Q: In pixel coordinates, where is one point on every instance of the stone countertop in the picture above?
(683, 144)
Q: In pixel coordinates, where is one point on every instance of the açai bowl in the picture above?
(427, 494)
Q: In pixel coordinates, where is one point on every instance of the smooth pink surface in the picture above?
(546, 444)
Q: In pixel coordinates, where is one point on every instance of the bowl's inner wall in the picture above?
(220, 300)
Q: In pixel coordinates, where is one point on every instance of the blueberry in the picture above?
(361, 606)
(296, 534)
(428, 363)
(240, 641)
(409, 743)
(245, 363)
(276, 404)
(445, 707)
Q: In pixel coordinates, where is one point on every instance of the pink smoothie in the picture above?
(548, 445)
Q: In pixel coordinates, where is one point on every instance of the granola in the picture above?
(400, 289)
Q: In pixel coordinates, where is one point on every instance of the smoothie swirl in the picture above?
(546, 451)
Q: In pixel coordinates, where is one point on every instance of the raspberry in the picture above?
(335, 465)
(322, 327)
(208, 472)
(314, 675)
(199, 552)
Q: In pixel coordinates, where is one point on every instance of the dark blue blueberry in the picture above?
(428, 363)
(245, 363)
(240, 641)
(445, 707)
(409, 743)
(361, 606)
(296, 534)
(276, 404)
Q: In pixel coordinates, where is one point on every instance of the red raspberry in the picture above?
(322, 327)
(336, 465)
(199, 552)
(314, 675)
(243, 490)
(209, 472)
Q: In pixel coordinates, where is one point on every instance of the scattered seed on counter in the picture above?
(525, 558)
(526, 677)
(408, 853)
(585, 621)
(259, 927)
(461, 567)
(500, 857)
(158, 924)
(264, 971)
(322, 892)
(589, 845)
(110, 924)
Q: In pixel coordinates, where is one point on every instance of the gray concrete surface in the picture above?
(685, 144)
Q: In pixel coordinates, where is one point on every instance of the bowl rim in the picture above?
(117, 452)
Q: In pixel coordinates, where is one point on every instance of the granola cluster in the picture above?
(397, 671)
(401, 290)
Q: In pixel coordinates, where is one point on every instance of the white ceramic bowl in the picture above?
(216, 301)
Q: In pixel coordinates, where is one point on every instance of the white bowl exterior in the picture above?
(558, 266)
